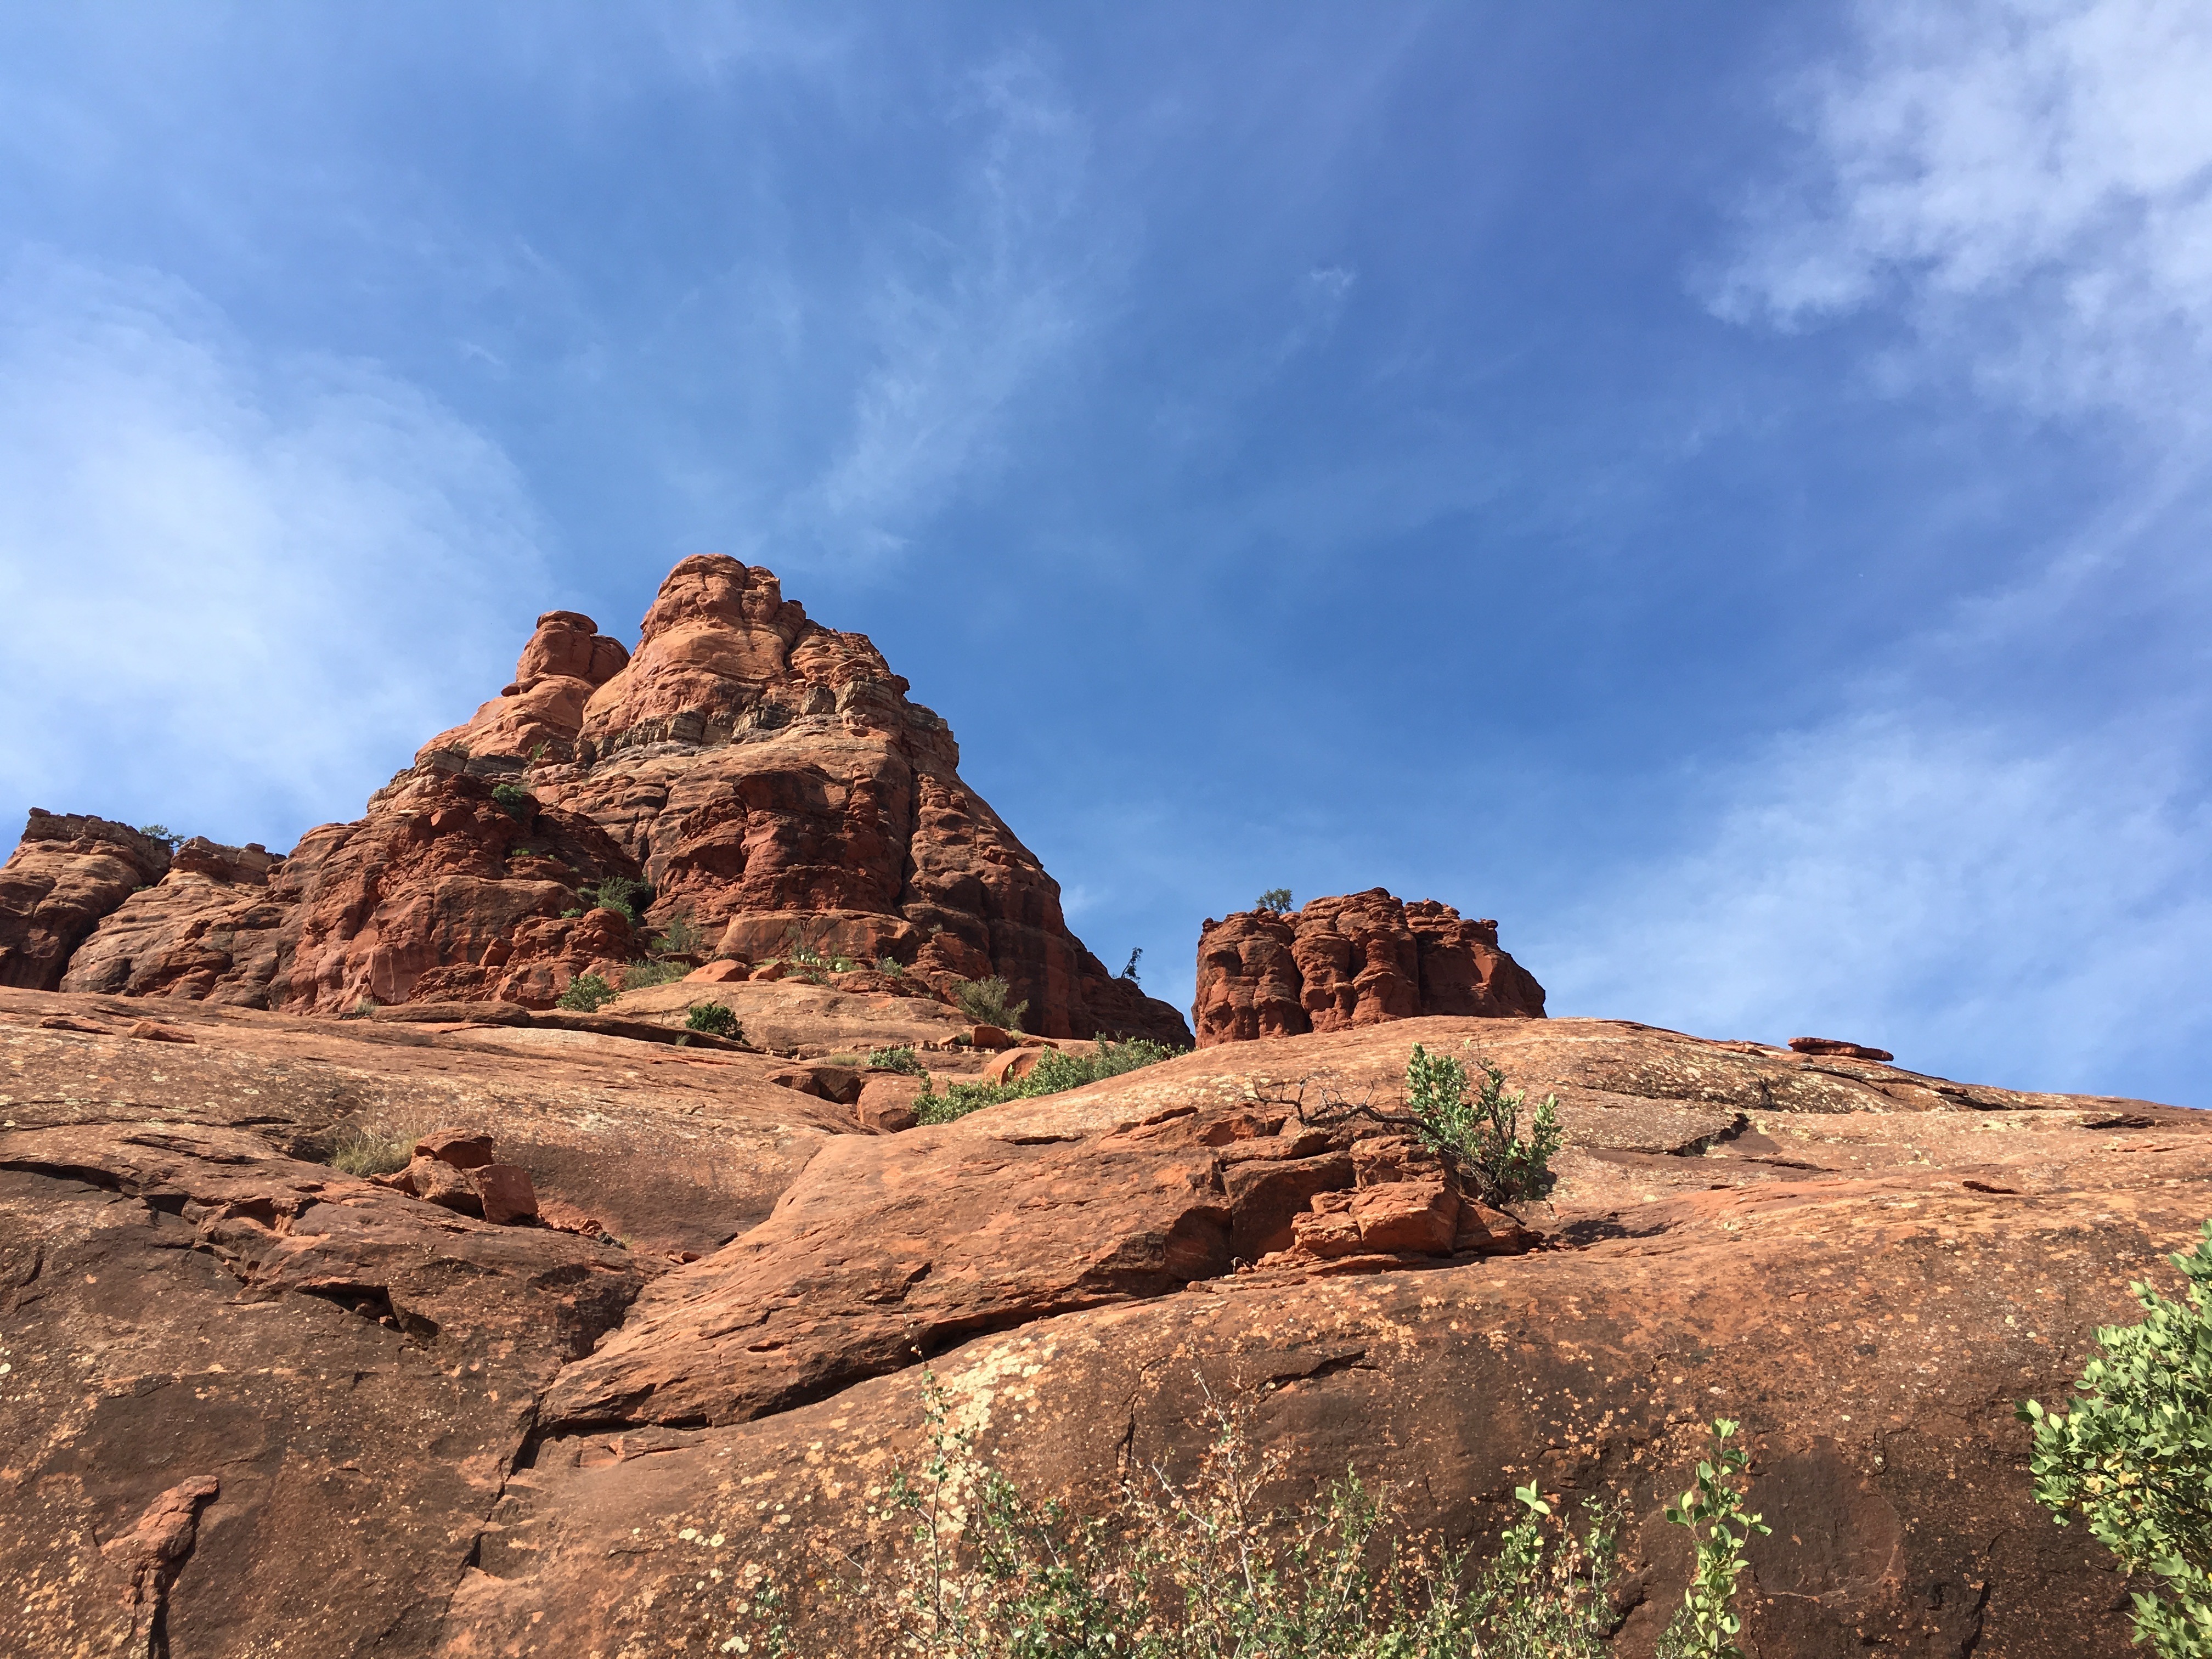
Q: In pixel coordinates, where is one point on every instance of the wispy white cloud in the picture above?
(1973, 899)
(2030, 180)
(967, 316)
(1989, 883)
(239, 591)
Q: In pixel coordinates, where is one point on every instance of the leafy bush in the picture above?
(890, 965)
(1484, 1133)
(1129, 968)
(1275, 900)
(984, 1001)
(515, 801)
(585, 993)
(624, 895)
(1198, 1568)
(638, 975)
(1706, 1624)
(1053, 1073)
(896, 1060)
(360, 1151)
(681, 936)
(361, 1009)
(161, 832)
(2134, 1457)
(714, 1020)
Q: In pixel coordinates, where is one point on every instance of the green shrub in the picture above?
(896, 1060)
(1198, 1568)
(1706, 1624)
(361, 1152)
(2134, 1457)
(624, 895)
(1484, 1133)
(638, 975)
(161, 832)
(1275, 901)
(984, 1001)
(515, 801)
(361, 1009)
(714, 1020)
(1053, 1073)
(681, 937)
(890, 965)
(585, 993)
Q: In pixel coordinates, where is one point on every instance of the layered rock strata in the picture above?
(1356, 960)
(66, 875)
(766, 777)
(386, 1424)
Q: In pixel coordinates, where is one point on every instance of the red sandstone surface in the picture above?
(270, 1406)
(1357, 960)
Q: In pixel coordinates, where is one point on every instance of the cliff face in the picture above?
(1356, 960)
(766, 775)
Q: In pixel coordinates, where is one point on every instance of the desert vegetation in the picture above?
(584, 994)
(714, 1020)
(361, 1151)
(1197, 1567)
(2132, 1460)
(984, 1001)
(1053, 1073)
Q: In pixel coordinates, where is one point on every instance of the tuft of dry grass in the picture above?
(360, 1151)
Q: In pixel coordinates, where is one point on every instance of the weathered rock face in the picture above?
(1357, 960)
(67, 873)
(766, 775)
(272, 1403)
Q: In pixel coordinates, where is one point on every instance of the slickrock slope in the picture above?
(382, 1427)
(1355, 960)
(766, 775)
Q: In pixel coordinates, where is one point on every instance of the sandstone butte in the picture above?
(640, 1318)
(766, 777)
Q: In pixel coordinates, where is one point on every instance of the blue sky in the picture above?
(1723, 489)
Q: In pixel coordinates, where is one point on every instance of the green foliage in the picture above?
(1706, 1624)
(896, 1060)
(984, 1001)
(681, 936)
(624, 895)
(161, 832)
(1484, 1132)
(1129, 968)
(585, 993)
(638, 975)
(515, 801)
(361, 1009)
(890, 965)
(1275, 900)
(362, 1152)
(1053, 1073)
(1199, 1569)
(714, 1020)
(2134, 1457)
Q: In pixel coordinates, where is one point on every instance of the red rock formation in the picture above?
(767, 776)
(1357, 960)
(437, 1435)
(66, 874)
(566, 661)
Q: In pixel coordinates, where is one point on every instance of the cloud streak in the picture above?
(239, 590)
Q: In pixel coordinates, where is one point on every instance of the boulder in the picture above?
(1830, 1045)
(886, 1103)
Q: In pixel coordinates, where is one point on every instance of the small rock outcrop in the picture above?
(67, 873)
(1356, 960)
